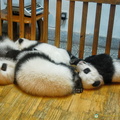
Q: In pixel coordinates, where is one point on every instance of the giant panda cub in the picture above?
(7, 67)
(98, 70)
(59, 55)
(37, 74)
(6, 45)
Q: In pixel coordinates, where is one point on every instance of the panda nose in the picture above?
(96, 84)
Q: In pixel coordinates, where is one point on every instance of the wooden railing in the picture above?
(99, 3)
(69, 43)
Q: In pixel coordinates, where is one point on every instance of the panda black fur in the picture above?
(102, 62)
(37, 74)
(98, 70)
(57, 54)
(6, 45)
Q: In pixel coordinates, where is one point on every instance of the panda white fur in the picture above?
(7, 67)
(6, 45)
(59, 55)
(37, 74)
(98, 70)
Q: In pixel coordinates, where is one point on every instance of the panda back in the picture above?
(59, 55)
(36, 74)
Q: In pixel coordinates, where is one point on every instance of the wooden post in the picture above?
(83, 29)
(21, 13)
(10, 22)
(45, 22)
(33, 20)
(58, 22)
(70, 25)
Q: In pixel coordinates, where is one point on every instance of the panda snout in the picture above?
(96, 84)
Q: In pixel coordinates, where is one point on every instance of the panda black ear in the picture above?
(12, 54)
(20, 40)
(34, 49)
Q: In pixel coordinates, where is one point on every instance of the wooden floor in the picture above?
(102, 104)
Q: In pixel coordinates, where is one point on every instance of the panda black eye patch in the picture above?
(86, 71)
(4, 67)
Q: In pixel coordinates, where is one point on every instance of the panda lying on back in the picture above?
(37, 74)
(59, 55)
(98, 70)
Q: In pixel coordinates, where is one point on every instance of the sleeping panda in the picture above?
(37, 74)
(6, 45)
(98, 70)
(7, 67)
(59, 55)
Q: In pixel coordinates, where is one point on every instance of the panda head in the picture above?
(6, 45)
(24, 43)
(89, 75)
(6, 71)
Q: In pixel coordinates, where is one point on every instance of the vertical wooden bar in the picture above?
(15, 31)
(96, 29)
(110, 29)
(83, 29)
(10, 23)
(45, 22)
(21, 13)
(33, 20)
(58, 22)
(119, 51)
(0, 20)
(70, 25)
(27, 31)
(40, 29)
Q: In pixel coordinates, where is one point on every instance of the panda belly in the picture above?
(57, 54)
(41, 77)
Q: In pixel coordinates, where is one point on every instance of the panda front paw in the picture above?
(78, 90)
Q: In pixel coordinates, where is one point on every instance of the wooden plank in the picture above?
(58, 22)
(96, 29)
(17, 105)
(83, 29)
(21, 5)
(45, 22)
(70, 25)
(9, 18)
(16, 17)
(33, 20)
(110, 29)
(101, 1)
